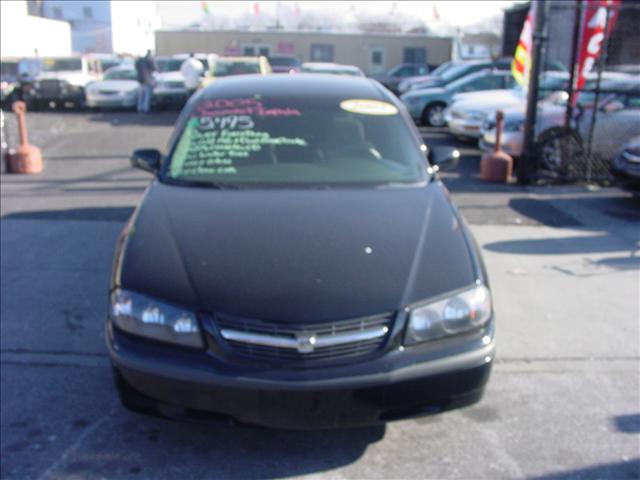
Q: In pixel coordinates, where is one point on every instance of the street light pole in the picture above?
(528, 165)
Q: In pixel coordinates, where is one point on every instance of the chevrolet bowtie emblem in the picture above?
(305, 343)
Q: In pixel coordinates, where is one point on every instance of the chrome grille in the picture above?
(289, 343)
(50, 87)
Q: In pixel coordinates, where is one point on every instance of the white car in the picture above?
(468, 112)
(170, 88)
(617, 121)
(118, 88)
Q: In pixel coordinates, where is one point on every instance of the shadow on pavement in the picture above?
(105, 214)
(628, 423)
(561, 246)
(211, 451)
(542, 212)
(124, 119)
(613, 471)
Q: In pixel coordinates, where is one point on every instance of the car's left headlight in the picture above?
(456, 313)
(147, 317)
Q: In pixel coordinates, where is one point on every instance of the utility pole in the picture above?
(528, 165)
(574, 59)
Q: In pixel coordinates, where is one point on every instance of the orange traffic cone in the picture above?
(497, 166)
(27, 158)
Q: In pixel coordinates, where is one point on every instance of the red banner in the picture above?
(598, 16)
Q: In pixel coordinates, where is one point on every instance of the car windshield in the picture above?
(454, 72)
(261, 140)
(443, 68)
(61, 64)
(168, 64)
(283, 61)
(224, 68)
(120, 75)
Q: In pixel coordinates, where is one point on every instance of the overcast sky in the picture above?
(453, 13)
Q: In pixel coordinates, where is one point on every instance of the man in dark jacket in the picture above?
(145, 67)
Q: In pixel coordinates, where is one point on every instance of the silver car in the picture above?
(618, 120)
(118, 88)
(468, 112)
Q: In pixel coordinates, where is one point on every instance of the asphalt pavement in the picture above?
(563, 400)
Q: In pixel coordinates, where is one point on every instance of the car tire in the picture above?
(433, 115)
(561, 150)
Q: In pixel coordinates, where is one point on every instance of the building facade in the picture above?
(26, 35)
(373, 53)
(90, 23)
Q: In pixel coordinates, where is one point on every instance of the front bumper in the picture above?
(465, 127)
(400, 382)
(111, 101)
(511, 142)
(170, 97)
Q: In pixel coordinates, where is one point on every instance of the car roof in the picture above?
(288, 86)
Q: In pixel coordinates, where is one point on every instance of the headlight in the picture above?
(142, 315)
(457, 313)
(160, 85)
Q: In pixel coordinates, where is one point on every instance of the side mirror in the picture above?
(147, 159)
(444, 158)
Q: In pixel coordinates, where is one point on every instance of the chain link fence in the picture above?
(578, 143)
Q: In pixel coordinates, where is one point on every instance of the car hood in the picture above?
(71, 76)
(487, 100)
(119, 85)
(425, 92)
(427, 82)
(295, 255)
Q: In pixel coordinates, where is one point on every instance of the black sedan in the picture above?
(297, 263)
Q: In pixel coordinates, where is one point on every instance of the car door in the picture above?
(617, 121)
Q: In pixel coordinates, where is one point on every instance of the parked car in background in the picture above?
(107, 60)
(333, 68)
(228, 66)
(427, 105)
(626, 165)
(392, 78)
(452, 71)
(241, 289)
(169, 88)
(618, 120)
(118, 88)
(467, 112)
(8, 80)
(62, 80)
(284, 64)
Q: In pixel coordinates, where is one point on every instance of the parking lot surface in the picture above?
(563, 400)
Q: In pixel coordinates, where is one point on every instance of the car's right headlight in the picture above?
(147, 317)
(453, 314)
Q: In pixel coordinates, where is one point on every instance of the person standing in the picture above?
(145, 67)
(191, 69)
